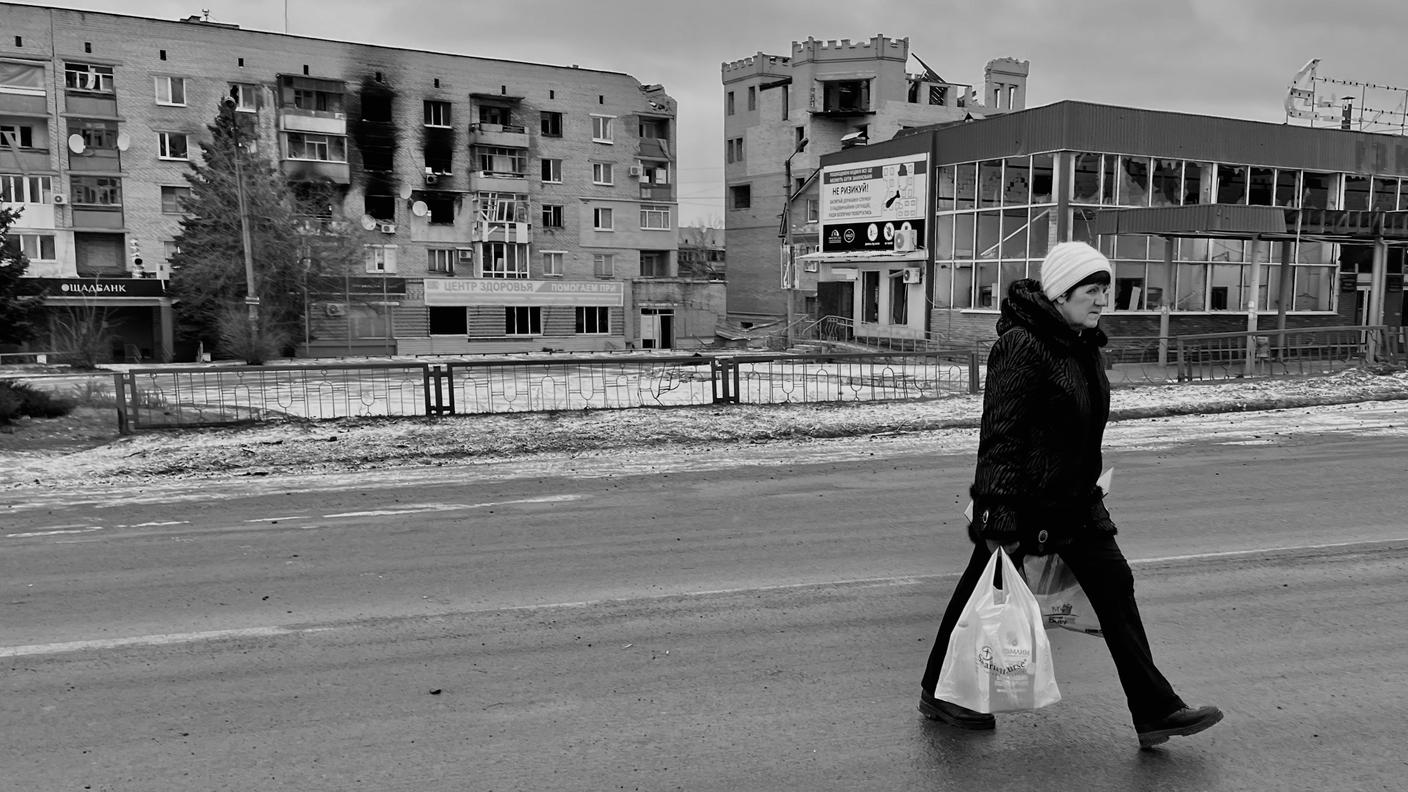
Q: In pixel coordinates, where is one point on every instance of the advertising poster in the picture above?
(865, 204)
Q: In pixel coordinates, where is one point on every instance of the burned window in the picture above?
(442, 208)
(846, 96)
(376, 107)
(550, 124)
(381, 207)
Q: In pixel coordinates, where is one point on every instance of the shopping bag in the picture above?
(998, 658)
(1061, 599)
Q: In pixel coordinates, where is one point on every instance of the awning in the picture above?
(867, 257)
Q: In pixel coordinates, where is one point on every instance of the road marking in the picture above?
(276, 519)
(166, 639)
(156, 524)
(421, 508)
(55, 532)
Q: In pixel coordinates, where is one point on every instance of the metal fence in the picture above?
(1270, 353)
(167, 397)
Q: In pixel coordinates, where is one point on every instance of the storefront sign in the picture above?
(334, 285)
(512, 291)
(103, 287)
(876, 205)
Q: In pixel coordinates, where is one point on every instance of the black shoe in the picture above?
(1183, 721)
(953, 714)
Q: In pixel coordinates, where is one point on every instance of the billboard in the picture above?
(514, 291)
(865, 204)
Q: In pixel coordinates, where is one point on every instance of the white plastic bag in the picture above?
(1061, 599)
(998, 658)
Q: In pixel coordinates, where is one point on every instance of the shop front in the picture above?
(124, 319)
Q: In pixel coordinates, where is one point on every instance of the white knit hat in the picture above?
(1070, 263)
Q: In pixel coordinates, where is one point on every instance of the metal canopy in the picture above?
(1234, 221)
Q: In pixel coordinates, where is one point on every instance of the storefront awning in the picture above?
(866, 257)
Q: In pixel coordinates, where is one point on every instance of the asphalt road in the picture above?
(711, 621)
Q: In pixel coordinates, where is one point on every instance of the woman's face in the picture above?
(1081, 308)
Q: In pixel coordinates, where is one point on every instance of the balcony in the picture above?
(316, 171)
(295, 120)
(96, 160)
(498, 181)
(506, 135)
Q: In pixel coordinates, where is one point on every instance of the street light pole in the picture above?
(790, 289)
(251, 298)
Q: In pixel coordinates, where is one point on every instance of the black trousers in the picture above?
(1104, 574)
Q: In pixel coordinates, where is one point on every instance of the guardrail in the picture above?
(173, 397)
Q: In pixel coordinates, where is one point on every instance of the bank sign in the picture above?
(103, 287)
(863, 204)
(506, 291)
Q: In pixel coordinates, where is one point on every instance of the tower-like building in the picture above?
(781, 113)
(501, 205)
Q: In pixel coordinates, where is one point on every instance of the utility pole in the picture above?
(251, 298)
(790, 288)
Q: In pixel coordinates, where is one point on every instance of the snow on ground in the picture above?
(704, 435)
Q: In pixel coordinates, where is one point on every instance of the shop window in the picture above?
(990, 183)
(1261, 187)
(523, 320)
(1356, 192)
(593, 320)
(1134, 181)
(448, 320)
(1316, 189)
(1016, 181)
(1385, 197)
(369, 321)
(870, 297)
(1288, 188)
(1085, 181)
(899, 298)
(1198, 182)
(1167, 182)
(1232, 184)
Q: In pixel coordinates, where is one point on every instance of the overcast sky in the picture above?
(1216, 57)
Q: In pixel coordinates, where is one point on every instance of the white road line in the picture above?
(276, 519)
(55, 532)
(156, 524)
(166, 639)
(421, 508)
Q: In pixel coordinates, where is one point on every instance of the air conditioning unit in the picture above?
(913, 275)
(904, 240)
(386, 228)
(634, 171)
(431, 178)
(810, 266)
(466, 255)
(335, 309)
(60, 200)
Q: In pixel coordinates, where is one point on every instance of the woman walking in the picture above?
(1034, 490)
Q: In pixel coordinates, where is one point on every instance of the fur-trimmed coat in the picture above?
(1045, 406)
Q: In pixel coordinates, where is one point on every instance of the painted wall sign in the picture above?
(512, 291)
(864, 204)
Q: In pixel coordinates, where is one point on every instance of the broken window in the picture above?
(376, 107)
(846, 96)
(442, 208)
(550, 123)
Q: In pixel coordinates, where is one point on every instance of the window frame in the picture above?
(385, 255)
(164, 147)
(446, 264)
(97, 72)
(307, 138)
(550, 170)
(604, 265)
(606, 213)
(32, 245)
(171, 197)
(20, 133)
(83, 186)
(603, 129)
(604, 173)
(648, 211)
(30, 189)
(171, 83)
(246, 96)
(553, 215)
(550, 123)
(437, 114)
(517, 316)
(517, 269)
(592, 320)
(552, 262)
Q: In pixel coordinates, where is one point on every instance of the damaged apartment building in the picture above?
(782, 113)
(499, 206)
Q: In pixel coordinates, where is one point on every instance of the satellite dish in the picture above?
(420, 209)
(405, 191)
(76, 144)
(368, 222)
(124, 140)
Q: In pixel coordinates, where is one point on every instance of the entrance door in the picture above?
(657, 328)
(837, 298)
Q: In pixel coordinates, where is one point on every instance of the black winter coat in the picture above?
(1045, 406)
